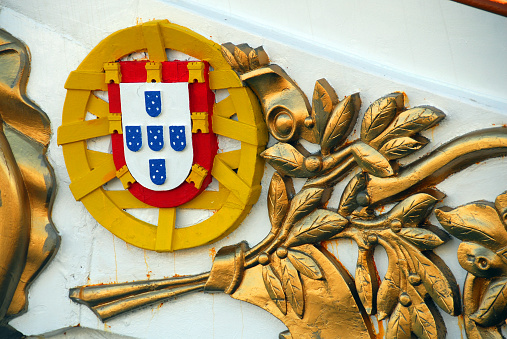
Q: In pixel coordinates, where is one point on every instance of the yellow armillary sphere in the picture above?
(238, 172)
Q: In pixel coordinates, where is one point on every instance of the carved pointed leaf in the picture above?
(348, 202)
(423, 323)
(228, 53)
(278, 202)
(274, 288)
(305, 264)
(365, 280)
(421, 238)
(241, 54)
(371, 161)
(317, 226)
(413, 209)
(493, 308)
(389, 290)
(324, 99)
(408, 123)
(377, 117)
(401, 147)
(399, 324)
(437, 284)
(292, 286)
(303, 203)
(253, 59)
(285, 159)
(477, 222)
(340, 123)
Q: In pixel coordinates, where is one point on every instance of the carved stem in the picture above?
(438, 165)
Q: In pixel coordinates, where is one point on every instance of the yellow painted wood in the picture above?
(230, 158)
(93, 179)
(97, 107)
(237, 130)
(154, 41)
(195, 72)
(125, 177)
(224, 108)
(227, 177)
(165, 229)
(197, 175)
(94, 81)
(87, 172)
(83, 130)
(219, 79)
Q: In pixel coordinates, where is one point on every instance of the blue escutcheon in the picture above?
(133, 138)
(153, 103)
(155, 137)
(177, 138)
(157, 171)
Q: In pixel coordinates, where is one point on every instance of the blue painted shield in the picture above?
(133, 138)
(157, 171)
(177, 138)
(155, 137)
(153, 103)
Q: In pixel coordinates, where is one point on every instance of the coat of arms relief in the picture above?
(387, 202)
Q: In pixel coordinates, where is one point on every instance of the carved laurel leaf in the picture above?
(228, 53)
(317, 226)
(324, 99)
(241, 54)
(436, 283)
(292, 286)
(340, 123)
(421, 238)
(303, 203)
(423, 323)
(413, 209)
(370, 160)
(278, 202)
(366, 280)
(304, 264)
(399, 324)
(378, 116)
(274, 288)
(477, 222)
(285, 159)
(408, 123)
(348, 202)
(401, 147)
(493, 308)
(389, 290)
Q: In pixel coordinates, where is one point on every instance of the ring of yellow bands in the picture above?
(238, 172)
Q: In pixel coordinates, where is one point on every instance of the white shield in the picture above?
(146, 122)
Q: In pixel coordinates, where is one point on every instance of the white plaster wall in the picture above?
(440, 53)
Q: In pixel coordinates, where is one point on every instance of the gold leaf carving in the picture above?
(399, 324)
(285, 159)
(421, 238)
(477, 222)
(370, 160)
(493, 308)
(408, 123)
(378, 116)
(278, 202)
(292, 286)
(401, 147)
(423, 323)
(228, 53)
(389, 290)
(340, 123)
(348, 201)
(324, 99)
(436, 283)
(304, 264)
(274, 288)
(318, 226)
(366, 280)
(303, 203)
(413, 209)
(241, 54)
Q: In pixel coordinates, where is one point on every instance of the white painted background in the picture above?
(439, 52)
